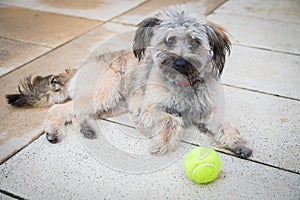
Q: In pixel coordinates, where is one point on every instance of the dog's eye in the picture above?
(170, 42)
(194, 43)
(54, 81)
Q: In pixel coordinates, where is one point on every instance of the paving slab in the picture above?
(14, 54)
(151, 8)
(67, 171)
(91, 9)
(265, 71)
(271, 124)
(265, 34)
(286, 11)
(24, 124)
(41, 28)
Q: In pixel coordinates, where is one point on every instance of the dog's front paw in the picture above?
(242, 151)
(87, 131)
(159, 146)
(52, 136)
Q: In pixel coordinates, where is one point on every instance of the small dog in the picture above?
(169, 82)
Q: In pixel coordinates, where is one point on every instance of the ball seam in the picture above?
(203, 165)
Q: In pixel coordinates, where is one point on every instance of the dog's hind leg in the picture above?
(88, 108)
(56, 117)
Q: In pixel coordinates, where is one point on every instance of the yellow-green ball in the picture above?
(202, 164)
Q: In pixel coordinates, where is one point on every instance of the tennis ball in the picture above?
(202, 164)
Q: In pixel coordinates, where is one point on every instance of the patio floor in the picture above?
(262, 95)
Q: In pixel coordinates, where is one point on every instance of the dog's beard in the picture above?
(187, 73)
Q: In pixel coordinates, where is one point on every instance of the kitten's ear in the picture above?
(220, 46)
(143, 36)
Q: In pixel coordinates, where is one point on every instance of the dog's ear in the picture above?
(220, 45)
(143, 35)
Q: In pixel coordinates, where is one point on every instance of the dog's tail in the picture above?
(42, 91)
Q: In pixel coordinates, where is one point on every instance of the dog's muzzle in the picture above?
(179, 64)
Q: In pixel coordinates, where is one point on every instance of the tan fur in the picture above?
(42, 91)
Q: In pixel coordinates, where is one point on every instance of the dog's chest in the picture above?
(190, 104)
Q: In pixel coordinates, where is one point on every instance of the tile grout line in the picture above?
(54, 48)
(127, 11)
(11, 195)
(214, 9)
(19, 150)
(54, 13)
(131, 24)
(250, 160)
(26, 42)
(118, 123)
(266, 49)
(261, 92)
(256, 17)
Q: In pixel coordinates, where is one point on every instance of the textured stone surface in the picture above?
(286, 11)
(69, 170)
(266, 71)
(92, 9)
(5, 197)
(14, 53)
(151, 8)
(255, 32)
(41, 28)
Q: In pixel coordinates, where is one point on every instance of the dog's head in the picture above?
(182, 45)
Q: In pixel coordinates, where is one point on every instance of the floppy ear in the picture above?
(220, 45)
(143, 35)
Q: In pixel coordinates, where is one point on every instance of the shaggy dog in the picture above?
(169, 82)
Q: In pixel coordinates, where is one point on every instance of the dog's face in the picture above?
(183, 46)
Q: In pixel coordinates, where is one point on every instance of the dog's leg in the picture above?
(228, 137)
(85, 114)
(166, 135)
(56, 117)
(105, 98)
(165, 130)
(88, 128)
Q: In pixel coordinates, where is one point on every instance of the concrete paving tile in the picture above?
(22, 125)
(266, 34)
(14, 53)
(67, 171)
(287, 11)
(152, 7)
(265, 71)
(92, 9)
(41, 28)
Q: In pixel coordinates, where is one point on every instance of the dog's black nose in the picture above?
(181, 65)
